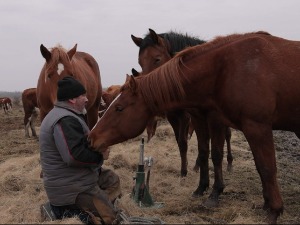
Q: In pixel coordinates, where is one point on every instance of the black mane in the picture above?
(177, 41)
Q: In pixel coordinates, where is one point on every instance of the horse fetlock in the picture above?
(273, 215)
(200, 191)
(184, 173)
(196, 168)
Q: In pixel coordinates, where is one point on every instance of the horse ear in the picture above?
(137, 40)
(127, 78)
(45, 53)
(153, 36)
(134, 72)
(107, 98)
(72, 51)
(132, 84)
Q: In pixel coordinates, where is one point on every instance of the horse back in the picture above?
(254, 76)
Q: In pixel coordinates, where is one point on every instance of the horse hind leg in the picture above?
(32, 124)
(27, 130)
(217, 134)
(27, 125)
(229, 154)
(260, 139)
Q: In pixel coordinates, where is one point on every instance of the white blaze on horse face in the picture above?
(60, 68)
(107, 109)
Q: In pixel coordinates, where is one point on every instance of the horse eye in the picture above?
(119, 108)
(157, 61)
(50, 75)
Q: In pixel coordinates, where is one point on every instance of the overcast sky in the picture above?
(102, 28)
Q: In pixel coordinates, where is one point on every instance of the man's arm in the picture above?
(72, 144)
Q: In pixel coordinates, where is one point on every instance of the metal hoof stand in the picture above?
(140, 192)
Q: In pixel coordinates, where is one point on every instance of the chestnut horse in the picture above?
(29, 102)
(251, 81)
(6, 104)
(157, 49)
(60, 63)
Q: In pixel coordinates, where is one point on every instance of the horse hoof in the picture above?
(183, 174)
(229, 167)
(272, 218)
(197, 194)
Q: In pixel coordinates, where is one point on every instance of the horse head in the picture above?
(60, 63)
(125, 118)
(154, 50)
(57, 65)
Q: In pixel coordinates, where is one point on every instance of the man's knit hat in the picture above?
(69, 88)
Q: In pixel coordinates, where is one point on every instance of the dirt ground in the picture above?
(22, 190)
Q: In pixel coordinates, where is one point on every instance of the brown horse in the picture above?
(60, 63)
(157, 49)
(251, 81)
(29, 102)
(111, 93)
(6, 104)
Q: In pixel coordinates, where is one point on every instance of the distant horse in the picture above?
(60, 63)
(107, 97)
(6, 104)
(157, 49)
(29, 102)
(251, 81)
(111, 93)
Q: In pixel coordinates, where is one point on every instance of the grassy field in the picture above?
(22, 190)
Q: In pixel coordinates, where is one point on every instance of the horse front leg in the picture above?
(217, 132)
(179, 122)
(260, 139)
(200, 126)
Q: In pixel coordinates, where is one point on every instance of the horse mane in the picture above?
(159, 87)
(178, 41)
(217, 42)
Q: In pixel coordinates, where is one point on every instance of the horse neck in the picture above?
(160, 90)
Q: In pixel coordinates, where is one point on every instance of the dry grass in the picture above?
(22, 190)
